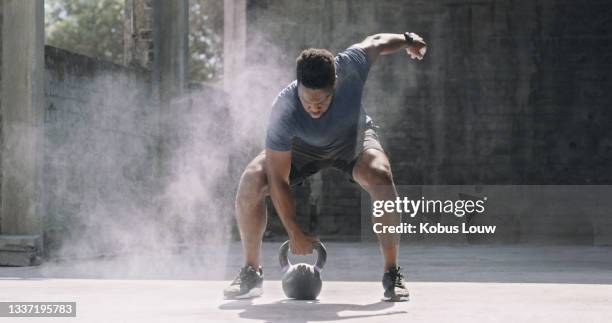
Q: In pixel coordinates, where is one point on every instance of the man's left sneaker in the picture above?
(247, 284)
(393, 282)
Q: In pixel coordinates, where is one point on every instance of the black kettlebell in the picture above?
(302, 281)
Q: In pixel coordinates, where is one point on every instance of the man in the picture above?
(316, 122)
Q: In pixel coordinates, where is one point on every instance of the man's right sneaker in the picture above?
(393, 283)
(247, 284)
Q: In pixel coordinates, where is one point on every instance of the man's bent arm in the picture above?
(278, 166)
(385, 44)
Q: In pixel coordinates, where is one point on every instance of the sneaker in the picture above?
(393, 282)
(247, 284)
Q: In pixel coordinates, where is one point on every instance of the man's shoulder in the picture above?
(353, 50)
(281, 125)
(287, 97)
(289, 91)
(353, 61)
(353, 54)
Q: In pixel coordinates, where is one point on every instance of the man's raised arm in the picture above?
(384, 44)
(278, 166)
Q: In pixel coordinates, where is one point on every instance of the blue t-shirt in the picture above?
(338, 126)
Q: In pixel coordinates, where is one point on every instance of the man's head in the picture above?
(316, 76)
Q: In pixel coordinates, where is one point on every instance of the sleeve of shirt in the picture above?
(280, 131)
(355, 60)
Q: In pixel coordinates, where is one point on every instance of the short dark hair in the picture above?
(316, 69)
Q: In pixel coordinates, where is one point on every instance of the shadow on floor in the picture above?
(306, 311)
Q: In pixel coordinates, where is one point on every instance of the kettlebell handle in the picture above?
(283, 255)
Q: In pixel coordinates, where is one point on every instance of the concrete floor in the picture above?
(447, 284)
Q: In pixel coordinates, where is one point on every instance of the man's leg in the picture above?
(251, 218)
(251, 209)
(373, 172)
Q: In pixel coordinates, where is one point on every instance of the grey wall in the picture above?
(511, 92)
(100, 152)
(106, 189)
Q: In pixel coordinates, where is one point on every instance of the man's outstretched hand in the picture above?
(301, 244)
(418, 48)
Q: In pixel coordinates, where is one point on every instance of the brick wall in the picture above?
(511, 92)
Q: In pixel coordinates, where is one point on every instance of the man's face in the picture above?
(315, 101)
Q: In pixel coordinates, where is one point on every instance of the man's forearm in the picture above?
(389, 43)
(280, 193)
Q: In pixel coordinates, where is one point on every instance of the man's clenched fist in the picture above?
(418, 48)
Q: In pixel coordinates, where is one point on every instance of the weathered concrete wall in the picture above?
(106, 189)
(22, 117)
(100, 153)
(511, 92)
(22, 107)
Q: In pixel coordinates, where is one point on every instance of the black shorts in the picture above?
(307, 160)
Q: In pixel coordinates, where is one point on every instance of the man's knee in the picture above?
(379, 174)
(253, 179)
(374, 170)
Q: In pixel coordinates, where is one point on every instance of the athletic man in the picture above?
(317, 121)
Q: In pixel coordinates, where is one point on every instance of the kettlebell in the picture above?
(302, 281)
